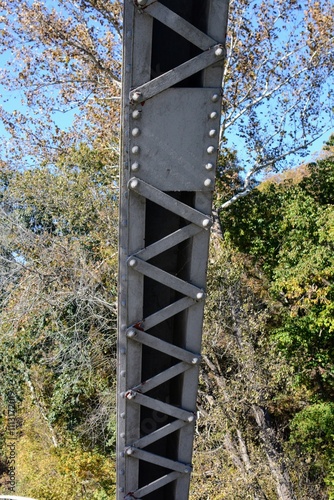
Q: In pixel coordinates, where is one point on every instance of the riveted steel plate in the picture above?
(174, 139)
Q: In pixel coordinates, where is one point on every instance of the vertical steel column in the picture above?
(173, 56)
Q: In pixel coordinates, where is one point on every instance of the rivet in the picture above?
(136, 96)
(123, 328)
(123, 415)
(123, 373)
(122, 394)
(135, 166)
(215, 98)
(219, 52)
(135, 150)
(135, 132)
(194, 361)
(213, 115)
(207, 182)
(129, 451)
(123, 350)
(128, 68)
(142, 2)
(211, 150)
(123, 302)
(191, 418)
(121, 472)
(200, 295)
(212, 132)
(136, 114)
(134, 183)
(121, 489)
(206, 223)
(132, 262)
(122, 434)
(209, 166)
(186, 471)
(121, 454)
(131, 333)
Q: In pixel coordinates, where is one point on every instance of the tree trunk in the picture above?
(274, 455)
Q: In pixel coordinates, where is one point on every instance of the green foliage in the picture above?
(68, 471)
(312, 438)
(58, 328)
(313, 428)
(284, 230)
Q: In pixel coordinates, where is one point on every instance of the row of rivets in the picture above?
(212, 132)
(136, 114)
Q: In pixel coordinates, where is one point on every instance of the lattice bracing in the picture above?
(171, 109)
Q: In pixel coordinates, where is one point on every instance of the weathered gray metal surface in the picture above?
(176, 154)
(169, 149)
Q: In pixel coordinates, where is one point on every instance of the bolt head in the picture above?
(122, 434)
(135, 150)
(129, 451)
(136, 96)
(135, 166)
(132, 262)
(213, 115)
(134, 183)
(212, 132)
(219, 52)
(215, 98)
(135, 132)
(200, 295)
(209, 166)
(207, 182)
(210, 150)
(142, 2)
(191, 418)
(131, 333)
(131, 395)
(206, 223)
(136, 113)
(195, 361)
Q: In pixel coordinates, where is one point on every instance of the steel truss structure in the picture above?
(173, 57)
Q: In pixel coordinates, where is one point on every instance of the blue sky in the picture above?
(14, 100)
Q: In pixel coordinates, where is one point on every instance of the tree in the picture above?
(241, 380)
(65, 55)
(276, 86)
(57, 334)
(285, 228)
(62, 56)
(57, 245)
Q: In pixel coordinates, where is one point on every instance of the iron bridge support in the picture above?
(173, 59)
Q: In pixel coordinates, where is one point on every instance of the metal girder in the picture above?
(173, 54)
